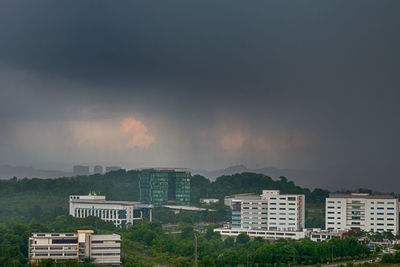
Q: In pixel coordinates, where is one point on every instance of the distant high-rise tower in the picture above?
(81, 170)
(163, 186)
(98, 169)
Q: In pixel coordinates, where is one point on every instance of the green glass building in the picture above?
(164, 186)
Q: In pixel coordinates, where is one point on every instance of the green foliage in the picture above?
(213, 251)
(242, 239)
(146, 244)
(42, 200)
(149, 244)
(14, 238)
(390, 258)
(253, 183)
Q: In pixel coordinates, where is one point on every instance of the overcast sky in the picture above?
(310, 85)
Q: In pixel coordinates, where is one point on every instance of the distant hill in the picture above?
(307, 179)
(8, 171)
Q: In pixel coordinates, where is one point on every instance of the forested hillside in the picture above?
(41, 200)
(250, 183)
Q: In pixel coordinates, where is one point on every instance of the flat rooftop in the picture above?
(242, 195)
(112, 202)
(361, 195)
(187, 208)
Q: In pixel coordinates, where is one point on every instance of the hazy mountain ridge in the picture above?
(304, 178)
(309, 179)
(9, 171)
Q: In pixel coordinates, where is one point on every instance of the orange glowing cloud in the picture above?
(138, 132)
(233, 141)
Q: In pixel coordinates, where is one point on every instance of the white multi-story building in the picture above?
(359, 211)
(121, 213)
(100, 249)
(269, 211)
(267, 214)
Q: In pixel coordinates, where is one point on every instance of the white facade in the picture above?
(319, 235)
(209, 200)
(102, 249)
(269, 211)
(121, 213)
(229, 232)
(358, 211)
(228, 199)
(270, 215)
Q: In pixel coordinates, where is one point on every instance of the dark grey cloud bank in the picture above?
(307, 84)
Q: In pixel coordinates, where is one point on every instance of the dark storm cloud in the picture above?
(327, 73)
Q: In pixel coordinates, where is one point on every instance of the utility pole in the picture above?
(195, 250)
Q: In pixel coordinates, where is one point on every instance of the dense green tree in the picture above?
(242, 239)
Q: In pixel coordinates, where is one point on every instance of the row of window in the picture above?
(266, 218)
(255, 208)
(272, 223)
(266, 203)
(105, 254)
(359, 207)
(359, 202)
(354, 218)
(54, 254)
(284, 198)
(96, 248)
(53, 248)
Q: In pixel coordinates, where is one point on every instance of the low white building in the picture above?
(176, 209)
(209, 200)
(121, 213)
(101, 249)
(358, 211)
(269, 215)
(319, 235)
(276, 234)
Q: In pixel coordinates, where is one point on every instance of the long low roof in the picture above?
(112, 202)
(360, 195)
(188, 208)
